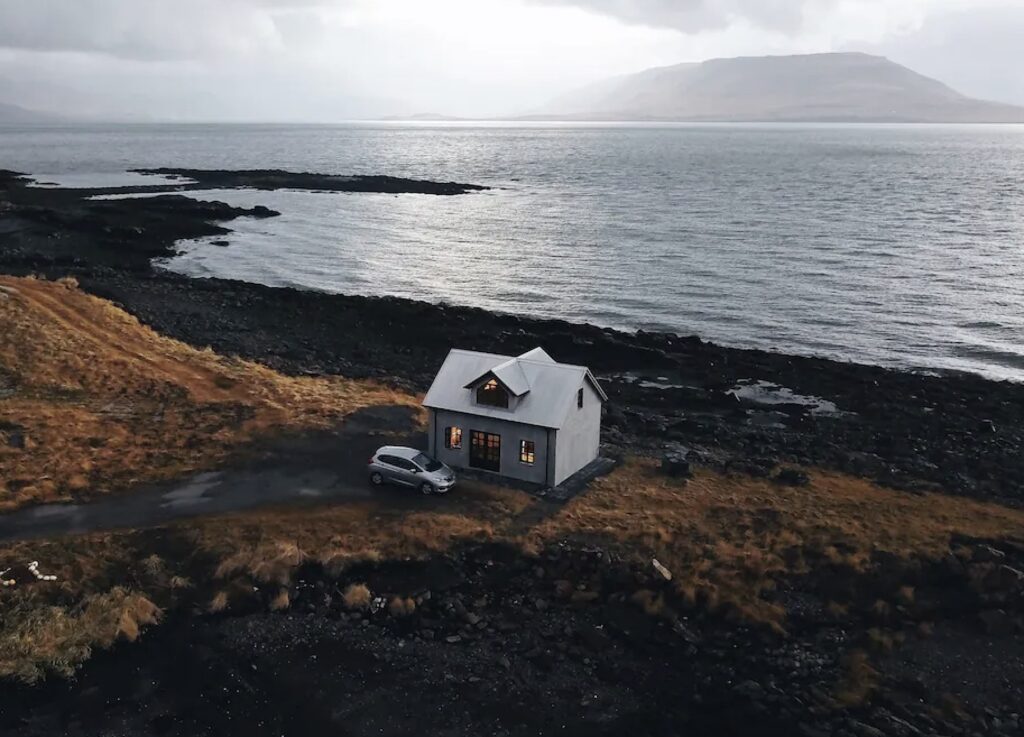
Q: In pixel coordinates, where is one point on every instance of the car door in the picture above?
(390, 469)
(405, 472)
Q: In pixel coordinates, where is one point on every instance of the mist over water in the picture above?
(894, 245)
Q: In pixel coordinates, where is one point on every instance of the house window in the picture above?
(579, 399)
(526, 452)
(453, 438)
(492, 394)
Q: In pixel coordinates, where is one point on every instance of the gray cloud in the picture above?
(700, 15)
(977, 51)
(150, 29)
(331, 59)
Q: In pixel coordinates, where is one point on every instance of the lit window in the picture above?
(453, 437)
(492, 394)
(526, 452)
(579, 399)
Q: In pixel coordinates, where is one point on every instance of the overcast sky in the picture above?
(323, 60)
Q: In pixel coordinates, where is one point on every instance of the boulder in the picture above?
(675, 464)
(792, 477)
(750, 690)
(987, 554)
(997, 622)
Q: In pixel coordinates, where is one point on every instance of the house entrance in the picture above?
(484, 450)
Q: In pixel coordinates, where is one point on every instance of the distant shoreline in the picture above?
(509, 122)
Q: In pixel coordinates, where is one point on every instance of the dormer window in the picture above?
(492, 394)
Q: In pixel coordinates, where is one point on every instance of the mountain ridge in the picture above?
(15, 114)
(833, 87)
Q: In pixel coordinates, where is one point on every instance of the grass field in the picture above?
(93, 401)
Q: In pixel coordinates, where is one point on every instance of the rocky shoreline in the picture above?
(744, 410)
(554, 643)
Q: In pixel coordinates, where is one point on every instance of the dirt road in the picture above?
(310, 468)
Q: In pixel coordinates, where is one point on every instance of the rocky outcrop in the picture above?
(269, 179)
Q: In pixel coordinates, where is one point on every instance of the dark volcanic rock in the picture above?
(278, 179)
(675, 464)
(52, 228)
(792, 477)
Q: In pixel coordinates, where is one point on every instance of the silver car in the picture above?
(396, 464)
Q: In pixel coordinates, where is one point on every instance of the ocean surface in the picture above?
(893, 245)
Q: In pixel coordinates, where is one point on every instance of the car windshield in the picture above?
(424, 461)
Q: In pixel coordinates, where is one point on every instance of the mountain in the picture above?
(19, 115)
(847, 87)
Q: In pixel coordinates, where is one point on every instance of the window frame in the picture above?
(527, 452)
(495, 389)
(485, 447)
(579, 398)
(450, 435)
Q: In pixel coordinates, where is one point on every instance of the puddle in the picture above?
(55, 510)
(650, 381)
(767, 393)
(193, 492)
(95, 180)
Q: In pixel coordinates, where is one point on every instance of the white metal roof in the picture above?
(546, 389)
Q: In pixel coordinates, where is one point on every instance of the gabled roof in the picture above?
(546, 390)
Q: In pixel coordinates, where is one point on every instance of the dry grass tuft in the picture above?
(268, 545)
(101, 401)
(859, 680)
(218, 603)
(401, 607)
(36, 640)
(281, 601)
(357, 597)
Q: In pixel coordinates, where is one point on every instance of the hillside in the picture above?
(19, 115)
(849, 87)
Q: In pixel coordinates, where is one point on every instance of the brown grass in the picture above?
(859, 680)
(727, 539)
(35, 640)
(101, 401)
(219, 602)
(267, 545)
(92, 399)
(357, 597)
(401, 607)
(41, 634)
(281, 601)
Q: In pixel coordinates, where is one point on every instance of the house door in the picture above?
(484, 450)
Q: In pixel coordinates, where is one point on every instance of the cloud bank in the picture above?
(331, 59)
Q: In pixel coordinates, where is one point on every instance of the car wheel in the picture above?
(376, 479)
(426, 488)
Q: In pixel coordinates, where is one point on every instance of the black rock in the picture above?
(675, 464)
(792, 477)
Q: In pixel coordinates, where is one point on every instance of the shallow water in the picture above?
(895, 245)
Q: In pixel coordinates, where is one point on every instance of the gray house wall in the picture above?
(579, 439)
(511, 433)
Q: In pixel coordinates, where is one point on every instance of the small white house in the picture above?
(525, 417)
